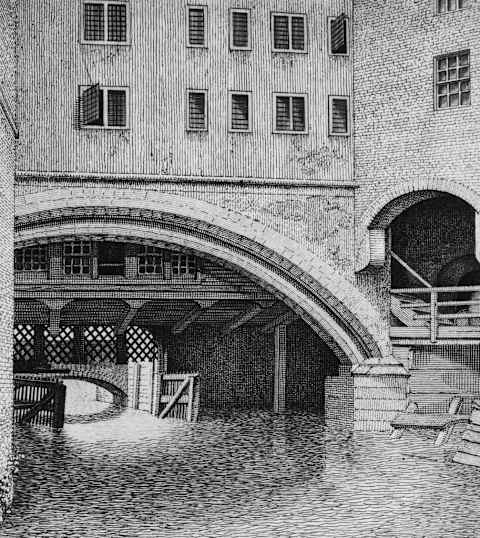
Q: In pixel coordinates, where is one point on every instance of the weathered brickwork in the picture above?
(7, 155)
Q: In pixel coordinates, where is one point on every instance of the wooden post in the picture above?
(280, 369)
(59, 405)
(433, 316)
(122, 355)
(79, 344)
(39, 347)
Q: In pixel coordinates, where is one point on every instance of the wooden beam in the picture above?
(132, 312)
(405, 265)
(280, 369)
(285, 319)
(246, 316)
(192, 316)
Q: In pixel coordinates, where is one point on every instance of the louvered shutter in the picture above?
(117, 22)
(240, 116)
(196, 26)
(280, 32)
(298, 114)
(339, 35)
(93, 22)
(298, 33)
(283, 113)
(92, 105)
(240, 30)
(339, 116)
(197, 111)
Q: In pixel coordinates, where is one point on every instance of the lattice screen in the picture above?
(23, 343)
(59, 349)
(100, 344)
(140, 344)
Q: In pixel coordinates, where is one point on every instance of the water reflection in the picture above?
(247, 474)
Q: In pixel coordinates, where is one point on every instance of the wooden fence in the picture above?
(41, 403)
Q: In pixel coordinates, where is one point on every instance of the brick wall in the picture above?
(7, 154)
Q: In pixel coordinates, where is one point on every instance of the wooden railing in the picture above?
(439, 308)
(179, 396)
(39, 402)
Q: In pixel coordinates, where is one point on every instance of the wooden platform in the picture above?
(433, 421)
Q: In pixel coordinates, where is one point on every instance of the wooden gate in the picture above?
(39, 402)
(178, 397)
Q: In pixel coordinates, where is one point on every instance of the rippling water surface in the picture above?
(122, 473)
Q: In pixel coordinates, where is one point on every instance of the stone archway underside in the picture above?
(321, 297)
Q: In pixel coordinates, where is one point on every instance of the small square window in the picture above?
(289, 32)
(339, 115)
(452, 80)
(197, 24)
(240, 29)
(338, 35)
(105, 22)
(290, 114)
(240, 112)
(197, 110)
(103, 107)
(445, 6)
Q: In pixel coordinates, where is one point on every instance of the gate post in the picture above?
(39, 347)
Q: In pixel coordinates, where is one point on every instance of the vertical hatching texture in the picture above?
(399, 135)
(7, 164)
(158, 68)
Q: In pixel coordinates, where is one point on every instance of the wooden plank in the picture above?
(190, 400)
(427, 421)
(285, 319)
(280, 369)
(412, 271)
(245, 317)
(466, 459)
(423, 291)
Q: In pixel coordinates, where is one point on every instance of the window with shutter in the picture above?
(339, 35)
(445, 6)
(290, 114)
(239, 29)
(289, 32)
(339, 116)
(240, 112)
(196, 26)
(105, 22)
(103, 107)
(197, 111)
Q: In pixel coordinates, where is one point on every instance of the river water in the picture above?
(122, 473)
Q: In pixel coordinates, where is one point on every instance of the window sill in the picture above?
(343, 135)
(289, 51)
(290, 132)
(107, 43)
(240, 131)
(101, 128)
(197, 46)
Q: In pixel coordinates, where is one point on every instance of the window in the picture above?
(444, 6)
(197, 22)
(111, 258)
(290, 113)
(240, 29)
(150, 261)
(103, 107)
(77, 257)
(31, 259)
(183, 265)
(289, 32)
(452, 84)
(197, 110)
(338, 32)
(240, 112)
(339, 116)
(105, 22)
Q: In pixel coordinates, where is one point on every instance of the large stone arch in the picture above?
(383, 210)
(334, 308)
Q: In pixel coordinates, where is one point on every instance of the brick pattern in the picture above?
(7, 156)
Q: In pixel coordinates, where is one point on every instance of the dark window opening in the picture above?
(111, 258)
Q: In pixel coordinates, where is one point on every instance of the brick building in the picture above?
(199, 180)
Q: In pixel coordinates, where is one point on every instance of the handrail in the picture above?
(432, 306)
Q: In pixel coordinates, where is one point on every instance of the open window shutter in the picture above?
(298, 113)
(283, 113)
(240, 29)
(339, 35)
(196, 111)
(339, 116)
(91, 105)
